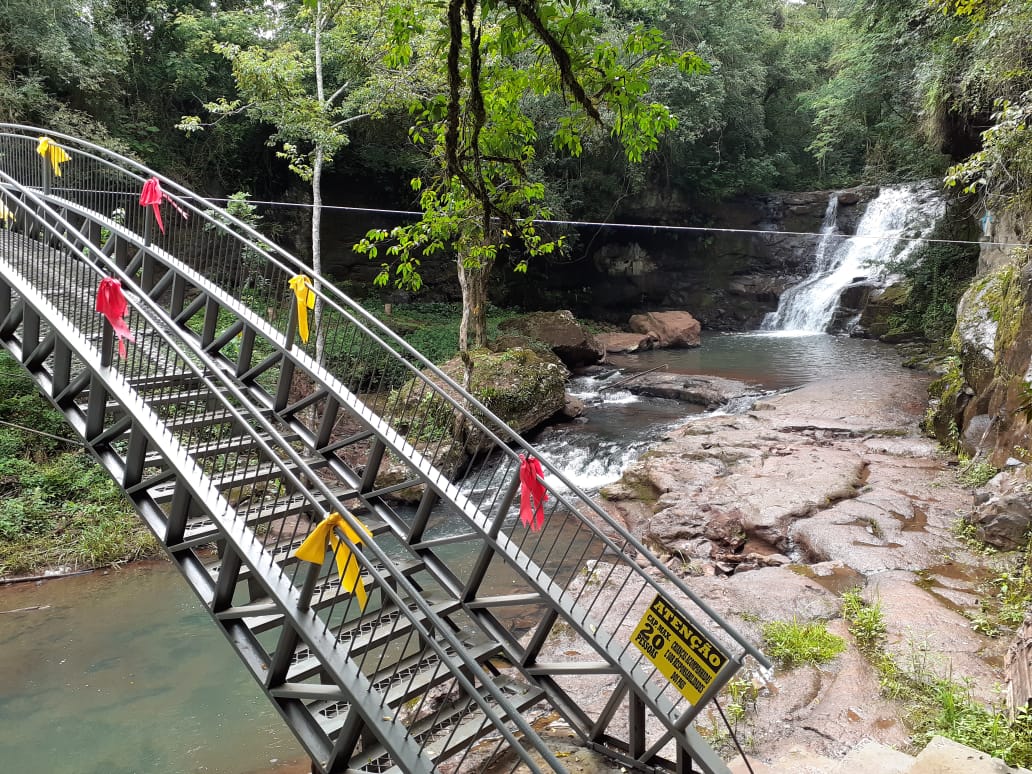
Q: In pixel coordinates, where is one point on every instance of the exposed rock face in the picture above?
(984, 397)
(769, 481)
(567, 338)
(1019, 667)
(670, 329)
(629, 261)
(999, 229)
(977, 326)
(729, 281)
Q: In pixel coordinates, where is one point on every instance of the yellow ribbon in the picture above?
(314, 550)
(5, 214)
(302, 287)
(53, 153)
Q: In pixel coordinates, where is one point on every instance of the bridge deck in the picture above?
(233, 440)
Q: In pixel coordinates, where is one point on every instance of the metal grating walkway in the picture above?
(234, 440)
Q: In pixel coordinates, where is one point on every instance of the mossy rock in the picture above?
(571, 342)
(882, 308)
(521, 387)
(950, 396)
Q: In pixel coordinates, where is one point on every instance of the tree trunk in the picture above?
(320, 334)
(317, 167)
(473, 327)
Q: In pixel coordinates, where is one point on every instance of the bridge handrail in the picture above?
(147, 310)
(332, 300)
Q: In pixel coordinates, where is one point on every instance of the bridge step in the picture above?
(327, 593)
(180, 397)
(365, 633)
(160, 381)
(407, 678)
(204, 419)
(236, 443)
(454, 726)
(201, 529)
(163, 493)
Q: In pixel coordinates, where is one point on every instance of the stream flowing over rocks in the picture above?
(773, 513)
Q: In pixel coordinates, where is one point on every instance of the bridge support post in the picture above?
(684, 761)
(636, 725)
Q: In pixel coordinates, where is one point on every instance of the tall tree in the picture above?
(996, 83)
(323, 68)
(483, 197)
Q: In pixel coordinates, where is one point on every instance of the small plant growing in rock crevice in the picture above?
(974, 472)
(866, 621)
(791, 643)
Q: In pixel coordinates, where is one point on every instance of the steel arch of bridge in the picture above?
(233, 440)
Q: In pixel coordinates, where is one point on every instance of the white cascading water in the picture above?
(902, 211)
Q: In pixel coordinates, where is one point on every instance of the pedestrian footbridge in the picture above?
(414, 632)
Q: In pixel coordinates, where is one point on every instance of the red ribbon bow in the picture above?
(112, 304)
(532, 494)
(152, 196)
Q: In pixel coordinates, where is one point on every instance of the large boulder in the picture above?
(568, 339)
(883, 307)
(708, 391)
(521, 387)
(671, 329)
(1003, 511)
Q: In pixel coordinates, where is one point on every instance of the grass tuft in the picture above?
(791, 643)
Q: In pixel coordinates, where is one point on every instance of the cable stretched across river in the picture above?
(598, 224)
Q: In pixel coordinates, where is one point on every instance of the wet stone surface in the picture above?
(837, 477)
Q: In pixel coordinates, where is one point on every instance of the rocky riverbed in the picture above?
(774, 513)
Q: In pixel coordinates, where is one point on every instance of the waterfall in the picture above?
(909, 211)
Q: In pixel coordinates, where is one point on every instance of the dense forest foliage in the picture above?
(556, 108)
(799, 95)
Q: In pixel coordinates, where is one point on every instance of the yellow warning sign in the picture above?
(679, 651)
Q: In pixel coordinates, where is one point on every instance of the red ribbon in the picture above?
(112, 304)
(532, 494)
(153, 196)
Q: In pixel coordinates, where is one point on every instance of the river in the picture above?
(121, 672)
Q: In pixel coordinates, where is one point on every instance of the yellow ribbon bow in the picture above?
(314, 550)
(302, 287)
(53, 153)
(5, 214)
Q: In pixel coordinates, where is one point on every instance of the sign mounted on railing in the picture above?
(683, 654)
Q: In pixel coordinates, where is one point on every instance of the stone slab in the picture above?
(870, 757)
(944, 756)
